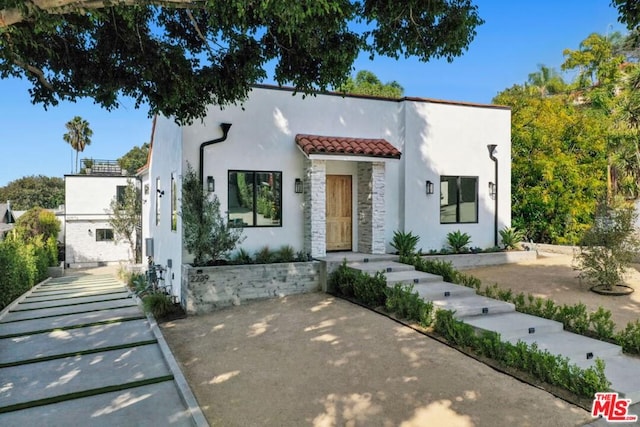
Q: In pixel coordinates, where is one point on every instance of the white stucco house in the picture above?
(89, 239)
(334, 173)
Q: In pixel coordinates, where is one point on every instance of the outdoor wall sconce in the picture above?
(429, 185)
(160, 192)
(211, 184)
(492, 190)
(298, 186)
(90, 232)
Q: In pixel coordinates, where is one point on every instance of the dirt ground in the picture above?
(552, 276)
(320, 361)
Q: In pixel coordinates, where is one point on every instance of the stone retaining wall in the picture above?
(205, 289)
(464, 261)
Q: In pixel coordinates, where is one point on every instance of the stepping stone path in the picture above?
(487, 314)
(79, 351)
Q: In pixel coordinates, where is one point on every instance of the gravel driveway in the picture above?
(320, 361)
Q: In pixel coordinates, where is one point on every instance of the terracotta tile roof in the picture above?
(317, 144)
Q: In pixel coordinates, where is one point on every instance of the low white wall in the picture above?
(205, 289)
(466, 261)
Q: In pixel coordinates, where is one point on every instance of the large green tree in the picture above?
(135, 158)
(178, 56)
(367, 83)
(31, 191)
(78, 135)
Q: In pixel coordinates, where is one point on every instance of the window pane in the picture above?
(268, 198)
(120, 194)
(448, 199)
(468, 199)
(241, 198)
(104, 234)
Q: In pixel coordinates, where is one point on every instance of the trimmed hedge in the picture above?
(23, 264)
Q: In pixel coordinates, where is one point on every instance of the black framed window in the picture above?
(255, 198)
(104, 235)
(120, 194)
(458, 199)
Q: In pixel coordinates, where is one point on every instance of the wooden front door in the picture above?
(339, 213)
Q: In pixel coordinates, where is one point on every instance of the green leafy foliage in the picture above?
(181, 57)
(207, 235)
(134, 159)
(404, 243)
(609, 246)
(367, 83)
(78, 135)
(629, 338)
(125, 215)
(511, 237)
(157, 303)
(547, 367)
(37, 222)
(33, 191)
(265, 255)
(407, 304)
(458, 241)
(371, 290)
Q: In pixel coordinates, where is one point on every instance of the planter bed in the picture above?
(205, 289)
(465, 261)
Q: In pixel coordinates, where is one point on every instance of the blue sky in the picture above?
(516, 37)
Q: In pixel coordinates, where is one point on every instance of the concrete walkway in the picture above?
(486, 314)
(80, 351)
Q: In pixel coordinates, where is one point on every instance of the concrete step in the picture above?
(30, 305)
(14, 316)
(623, 371)
(146, 406)
(383, 266)
(29, 384)
(514, 325)
(26, 327)
(473, 305)
(576, 347)
(78, 282)
(438, 290)
(28, 348)
(77, 294)
(411, 277)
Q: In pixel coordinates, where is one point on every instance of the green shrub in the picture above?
(547, 367)
(157, 303)
(574, 317)
(341, 280)
(629, 338)
(511, 237)
(458, 241)
(242, 257)
(404, 243)
(285, 254)
(602, 324)
(264, 255)
(370, 290)
(407, 304)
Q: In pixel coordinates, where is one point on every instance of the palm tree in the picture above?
(78, 135)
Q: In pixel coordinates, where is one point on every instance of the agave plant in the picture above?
(458, 241)
(404, 243)
(511, 237)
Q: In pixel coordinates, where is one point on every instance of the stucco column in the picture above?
(315, 232)
(371, 207)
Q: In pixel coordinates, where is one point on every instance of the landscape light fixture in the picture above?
(429, 186)
(211, 184)
(298, 186)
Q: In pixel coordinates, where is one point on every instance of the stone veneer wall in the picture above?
(371, 208)
(205, 289)
(315, 208)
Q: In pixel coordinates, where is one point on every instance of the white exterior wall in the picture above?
(165, 162)
(445, 139)
(435, 139)
(262, 138)
(87, 200)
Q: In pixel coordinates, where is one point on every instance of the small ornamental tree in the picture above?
(125, 215)
(37, 221)
(207, 236)
(609, 246)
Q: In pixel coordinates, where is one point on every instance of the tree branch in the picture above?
(34, 70)
(9, 17)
